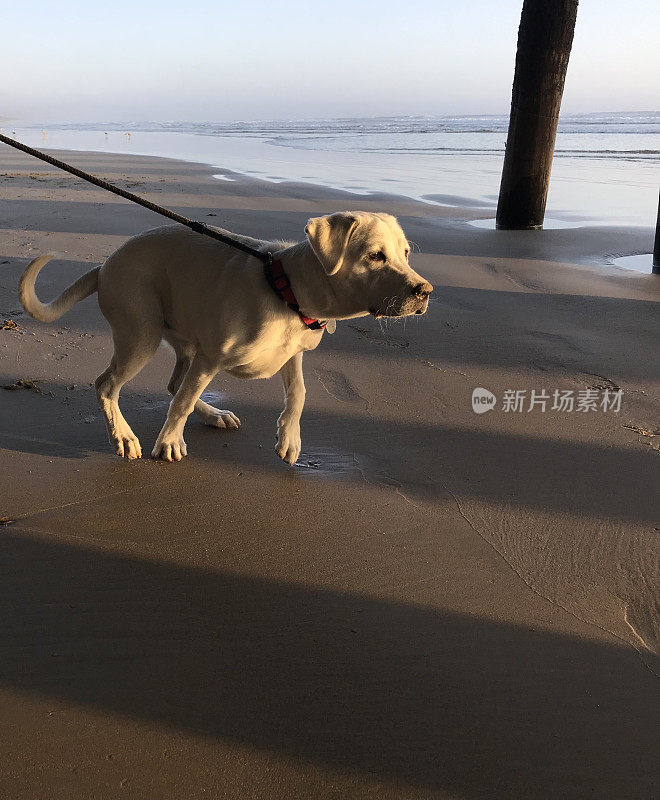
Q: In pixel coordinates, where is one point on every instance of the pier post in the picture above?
(545, 37)
(656, 246)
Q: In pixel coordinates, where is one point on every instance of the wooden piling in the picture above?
(545, 38)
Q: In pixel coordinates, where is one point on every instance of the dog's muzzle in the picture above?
(415, 303)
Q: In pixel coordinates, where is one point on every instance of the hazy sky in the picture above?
(76, 60)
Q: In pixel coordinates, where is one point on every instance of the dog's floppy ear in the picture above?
(329, 238)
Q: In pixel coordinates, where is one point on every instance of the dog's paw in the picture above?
(127, 445)
(222, 419)
(169, 448)
(288, 443)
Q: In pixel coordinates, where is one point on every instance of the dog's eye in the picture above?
(376, 256)
(407, 253)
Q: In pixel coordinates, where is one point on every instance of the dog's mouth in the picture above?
(424, 307)
(391, 311)
(402, 312)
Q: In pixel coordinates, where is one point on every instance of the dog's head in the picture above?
(366, 256)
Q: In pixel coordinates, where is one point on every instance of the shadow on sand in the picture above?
(425, 696)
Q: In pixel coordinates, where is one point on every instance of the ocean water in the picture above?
(606, 168)
(633, 137)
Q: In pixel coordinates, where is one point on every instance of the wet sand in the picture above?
(432, 604)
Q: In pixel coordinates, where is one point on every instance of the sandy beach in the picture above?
(433, 603)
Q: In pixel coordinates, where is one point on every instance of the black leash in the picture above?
(198, 227)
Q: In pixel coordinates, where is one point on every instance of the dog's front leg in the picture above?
(170, 445)
(288, 424)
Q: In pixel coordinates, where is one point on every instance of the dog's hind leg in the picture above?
(215, 417)
(129, 358)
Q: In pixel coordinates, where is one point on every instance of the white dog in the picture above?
(220, 310)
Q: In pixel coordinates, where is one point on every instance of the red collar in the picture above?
(279, 282)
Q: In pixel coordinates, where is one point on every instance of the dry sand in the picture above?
(433, 604)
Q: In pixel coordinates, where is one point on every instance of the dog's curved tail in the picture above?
(48, 312)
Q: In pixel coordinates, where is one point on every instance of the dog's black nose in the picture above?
(422, 289)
